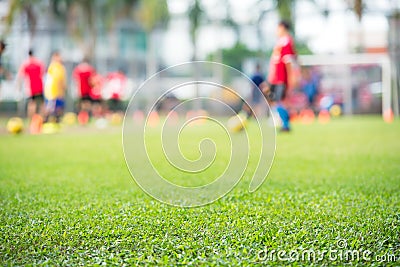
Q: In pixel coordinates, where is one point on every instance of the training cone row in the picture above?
(172, 118)
(307, 116)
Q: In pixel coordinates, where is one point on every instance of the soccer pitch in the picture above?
(68, 199)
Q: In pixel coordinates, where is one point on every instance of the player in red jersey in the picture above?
(96, 95)
(33, 70)
(83, 74)
(116, 83)
(281, 72)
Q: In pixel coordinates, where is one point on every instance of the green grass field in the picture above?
(68, 199)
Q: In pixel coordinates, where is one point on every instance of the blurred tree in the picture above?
(80, 17)
(230, 21)
(358, 7)
(83, 18)
(195, 15)
(113, 10)
(265, 7)
(81, 23)
(235, 55)
(285, 8)
(152, 14)
(302, 48)
(22, 7)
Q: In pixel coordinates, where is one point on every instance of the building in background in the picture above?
(121, 46)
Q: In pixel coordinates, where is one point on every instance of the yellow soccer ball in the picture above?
(116, 119)
(237, 123)
(335, 111)
(15, 125)
(69, 118)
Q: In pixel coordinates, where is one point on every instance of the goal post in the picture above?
(350, 60)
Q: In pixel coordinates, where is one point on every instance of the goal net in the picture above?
(360, 83)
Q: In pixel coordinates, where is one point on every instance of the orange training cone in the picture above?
(294, 117)
(203, 114)
(83, 117)
(307, 116)
(36, 124)
(153, 119)
(388, 115)
(324, 116)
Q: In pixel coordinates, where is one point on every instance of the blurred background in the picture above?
(349, 49)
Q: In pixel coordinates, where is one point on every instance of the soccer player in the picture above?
(116, 83)
(83, 75)
(4, 73)
(55, 87)
(257, 79)
(281, 72)
(2, 49)
(33, 70)
(309, 86)
(96, 95)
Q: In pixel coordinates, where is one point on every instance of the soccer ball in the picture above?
(335, 110)
(69, 118)
(50, 128)
(237, 123)
(116, 119)
(15, 125)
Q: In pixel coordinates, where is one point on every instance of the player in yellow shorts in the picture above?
(54, 90)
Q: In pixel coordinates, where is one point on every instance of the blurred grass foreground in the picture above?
(68, 199)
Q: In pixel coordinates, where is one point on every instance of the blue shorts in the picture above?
(55, 104)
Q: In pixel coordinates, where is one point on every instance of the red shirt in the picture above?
(82, 75)
(33, 70)
(116, 83)
(97, 81)
(282, 54)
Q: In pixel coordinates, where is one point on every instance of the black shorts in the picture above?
(85, 98)
(36, 98)
(114, 105)
(277, 92)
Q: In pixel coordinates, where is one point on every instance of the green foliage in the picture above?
(359, 8)
(303, 49)
(83, 18)
(195, 14)
(68, 199)
(285, 9)
(21, 6)
(153, 13)
(235, 55)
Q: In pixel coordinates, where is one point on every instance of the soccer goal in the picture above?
(361, 83)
